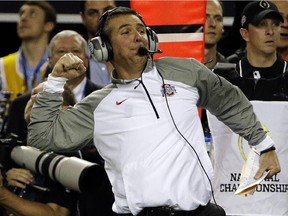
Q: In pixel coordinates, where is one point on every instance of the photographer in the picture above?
(20, 196)
(56, 201)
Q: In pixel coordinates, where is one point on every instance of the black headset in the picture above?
(100, 47)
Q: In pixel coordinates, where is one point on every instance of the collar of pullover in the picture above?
(115, 80)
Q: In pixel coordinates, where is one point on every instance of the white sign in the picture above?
(229, 153)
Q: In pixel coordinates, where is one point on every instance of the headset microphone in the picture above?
(143, 51)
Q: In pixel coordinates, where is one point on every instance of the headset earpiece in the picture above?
(153, 41)
(98, 49)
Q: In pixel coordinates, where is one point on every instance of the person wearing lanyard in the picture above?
(22, 70)
(32, 75)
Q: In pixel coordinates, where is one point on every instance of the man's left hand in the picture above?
(268, 161)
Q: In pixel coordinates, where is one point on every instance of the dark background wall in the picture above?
(9, 42)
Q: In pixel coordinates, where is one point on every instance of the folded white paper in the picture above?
(247, 182)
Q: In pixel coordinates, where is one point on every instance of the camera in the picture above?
(6, 146)
(72, 172)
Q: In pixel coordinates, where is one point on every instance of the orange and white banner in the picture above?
(178, 24)
(229, 154)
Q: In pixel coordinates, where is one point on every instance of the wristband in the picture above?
(272, 148)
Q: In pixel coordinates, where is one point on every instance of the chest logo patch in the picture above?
(168, 89)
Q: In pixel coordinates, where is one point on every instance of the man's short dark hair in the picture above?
(82, 5)
(83, 2)
(103, 29)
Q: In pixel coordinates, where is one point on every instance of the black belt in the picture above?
(166, 211)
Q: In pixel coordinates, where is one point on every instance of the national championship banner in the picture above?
(229, 154)
(178, 24)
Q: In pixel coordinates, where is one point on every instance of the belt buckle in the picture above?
(165, 211)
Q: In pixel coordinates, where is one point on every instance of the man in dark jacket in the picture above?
(261, 74)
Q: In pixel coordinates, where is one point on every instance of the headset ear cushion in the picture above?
(98, 49)
(153, 41)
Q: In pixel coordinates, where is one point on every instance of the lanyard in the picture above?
(32, 76)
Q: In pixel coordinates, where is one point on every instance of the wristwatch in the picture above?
(272, 148)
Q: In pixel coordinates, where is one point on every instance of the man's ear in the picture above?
(82, 17)
(49, 26)
(244, 33)
(50, 64)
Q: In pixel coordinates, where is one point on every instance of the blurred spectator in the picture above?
(91, 11)
(282, 49)
(232, 40)
(213, 33)
(24, 69)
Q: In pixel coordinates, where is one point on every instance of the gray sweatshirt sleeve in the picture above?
(230, 105)
(49, 124)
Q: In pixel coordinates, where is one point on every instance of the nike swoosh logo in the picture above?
(120, 102)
